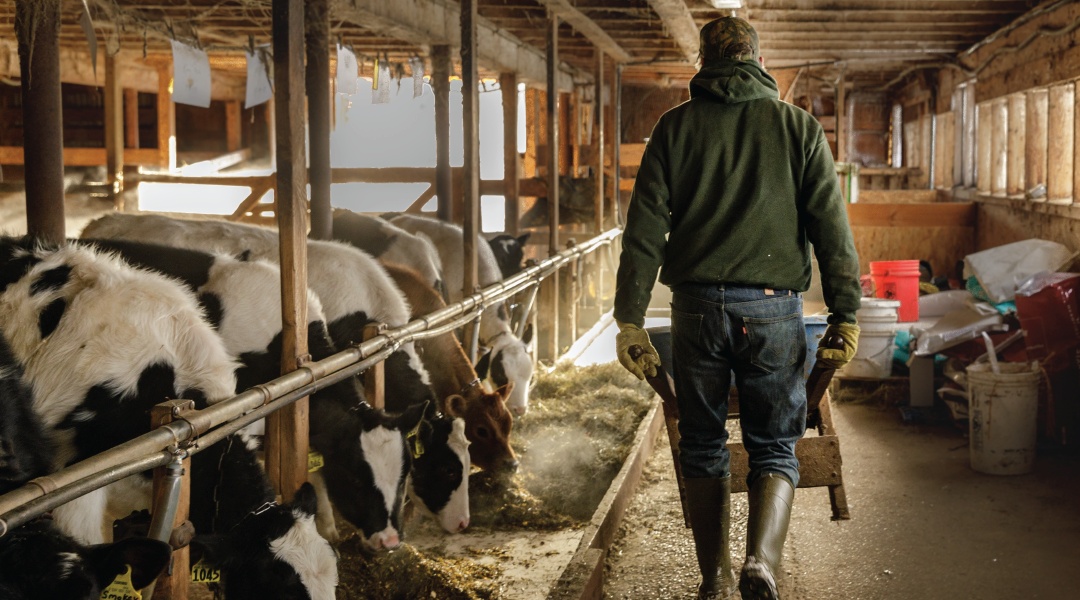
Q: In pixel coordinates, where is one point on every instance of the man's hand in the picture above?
(836, 359)
(632, 335)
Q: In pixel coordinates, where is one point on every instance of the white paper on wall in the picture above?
(191, 75)
(380, 86)
(259, 89)
(347, 71)
(416, 65)
(91, 37)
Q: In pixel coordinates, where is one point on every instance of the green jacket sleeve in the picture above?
(644, 241)
(827, 228)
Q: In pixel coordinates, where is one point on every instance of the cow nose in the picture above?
(390, 541)
(510, 466)
(464, 524)
(520, 411)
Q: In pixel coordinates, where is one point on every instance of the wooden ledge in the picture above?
(1067, 211)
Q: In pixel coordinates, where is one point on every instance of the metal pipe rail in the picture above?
(195, 430)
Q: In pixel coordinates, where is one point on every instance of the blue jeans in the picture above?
(720, 330)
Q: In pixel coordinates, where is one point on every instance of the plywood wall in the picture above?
(941, 246)
(1001, 224)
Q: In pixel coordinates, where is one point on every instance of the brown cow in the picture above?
(487, 421)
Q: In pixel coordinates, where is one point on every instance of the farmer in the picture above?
(734, 188)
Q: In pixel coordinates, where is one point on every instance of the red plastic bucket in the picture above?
(898, 280)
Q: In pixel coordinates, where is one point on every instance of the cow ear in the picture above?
(305, 500)
(504, 391)
(526, 337)
(483, 365)
(522, 239)
(455, 406)
(148, 558)
(410, 419)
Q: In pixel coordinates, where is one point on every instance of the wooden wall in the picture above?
(940, 233)
(1000, 224)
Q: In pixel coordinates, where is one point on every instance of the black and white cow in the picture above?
(439, 480)
(354, 290)
(26, 451)
(39, 561)
(509, 253)
(509, 355)
(390, 244)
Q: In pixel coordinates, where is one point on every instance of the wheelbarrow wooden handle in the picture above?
(820, 377)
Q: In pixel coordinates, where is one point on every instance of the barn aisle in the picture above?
(925, 526)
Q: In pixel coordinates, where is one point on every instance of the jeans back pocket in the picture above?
(685, 335)
(774, 341)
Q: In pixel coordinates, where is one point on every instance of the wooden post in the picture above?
(1014, 170)
(532, 133)
(166, 118)
(509, 87)
(1035, 157)
(984, 166)
(598, 114)
(317, 43)
(553, 174)
(287, 429)
(440, 86)
(1059, 177)
(470, 124)
(616, 155)
(232, 125)
(131, 118)
(841, 120)
(999, 147)
(114, 132)
(43, 120)
(174, 582)
(1076, 151)
(569, 286)
(375, 377)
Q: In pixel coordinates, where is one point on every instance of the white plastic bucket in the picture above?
(878, 323)
(878, 307)
(1001, 417)
(874, 356)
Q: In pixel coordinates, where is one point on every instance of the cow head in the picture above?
(367, 463)
(509, 253)
(487, 427)
(38, 561)
(508, 362)
(439, 481)
(274, 553)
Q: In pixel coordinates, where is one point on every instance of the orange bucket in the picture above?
(898, 280)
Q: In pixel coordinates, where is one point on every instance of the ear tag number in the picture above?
(315, 461)
(121, 588)
(204, 572)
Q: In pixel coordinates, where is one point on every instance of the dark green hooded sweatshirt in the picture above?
(734, 188)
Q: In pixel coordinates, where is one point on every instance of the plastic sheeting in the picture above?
(1003, 269)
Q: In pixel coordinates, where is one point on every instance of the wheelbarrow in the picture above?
(819, 456)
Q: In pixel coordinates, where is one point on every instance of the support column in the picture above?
(287, 429)
(440, 86)
(532, 133)
(131, 118)
(1014, 170)
(166, 119)
(114, 132)
(598, 217)
(841, 120)
(616, 163)
(1059, 176)
(317, 43)
(173, 584)
(509, 87)
(984, 165)
(553, 177)
(999, 147)
(1035, 157)
(43, 119)
(232, 125)
(470, 124)
(969, 135)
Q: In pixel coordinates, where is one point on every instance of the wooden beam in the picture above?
(985, 166)
(552, 283)
(131, 118)
(42, 117)
(680, 24)
(432, 22)
(470, 125)
(588, 28)
(1014, 168)
(166, 119)
(598, 166)
(114, 133)
(232, 125)
(317, 84)
(1035, 158)
(999, 148)
(509, 88)
(440, 86)
(287, 429)
(173, 584)
(938, 214)
(1059, 177)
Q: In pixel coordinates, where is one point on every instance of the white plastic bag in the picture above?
(1003, 269)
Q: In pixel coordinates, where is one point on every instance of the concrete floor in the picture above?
(924, 525)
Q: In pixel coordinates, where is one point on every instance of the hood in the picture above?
(734, 81)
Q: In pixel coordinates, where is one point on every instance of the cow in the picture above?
(26, 451)
(242, 298)
(353, 288)
(509, 355)
(38, 561)
(509, 252)
(439, 481)
(390, 245)
(487, 421)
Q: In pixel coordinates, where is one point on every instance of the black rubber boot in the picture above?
(708, 501)
(766, 530)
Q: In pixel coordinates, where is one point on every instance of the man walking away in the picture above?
(734, 188)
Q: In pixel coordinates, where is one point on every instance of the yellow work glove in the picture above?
(836, 359)
(632, 335)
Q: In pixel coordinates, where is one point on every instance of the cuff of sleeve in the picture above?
(625, 316)
(837, 318)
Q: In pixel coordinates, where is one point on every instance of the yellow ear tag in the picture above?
(417, 445)
(375, 76)
(121, 588)
(315, 461)
(204, 572)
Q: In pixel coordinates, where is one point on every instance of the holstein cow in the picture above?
(509, 252)
(487, 421)
(26, 451)
(353, 288)
(390, 244)
(508, 352)
(243, 299)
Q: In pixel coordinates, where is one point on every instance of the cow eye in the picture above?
(482, 432)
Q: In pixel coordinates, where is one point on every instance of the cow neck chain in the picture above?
(488, 342)
(469, 386)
